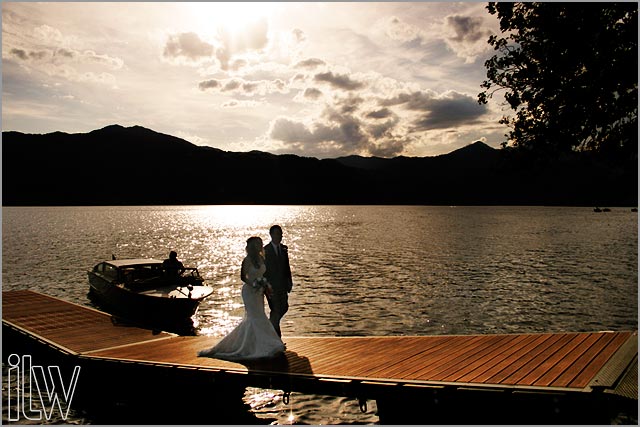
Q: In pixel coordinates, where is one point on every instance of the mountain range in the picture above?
(138, 166)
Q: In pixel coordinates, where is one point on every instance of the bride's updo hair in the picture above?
(255, 250)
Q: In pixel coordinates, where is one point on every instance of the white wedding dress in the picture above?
(254, 337)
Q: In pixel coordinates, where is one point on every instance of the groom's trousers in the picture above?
(279, 305)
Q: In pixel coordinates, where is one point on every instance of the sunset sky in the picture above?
(312, 79)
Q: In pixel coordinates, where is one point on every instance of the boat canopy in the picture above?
(132, 262)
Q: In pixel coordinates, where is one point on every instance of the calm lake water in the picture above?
(358, 270)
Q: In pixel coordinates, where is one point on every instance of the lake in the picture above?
(358, 270)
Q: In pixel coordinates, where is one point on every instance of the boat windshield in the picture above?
(141, 272)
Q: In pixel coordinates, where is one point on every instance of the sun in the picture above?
(230, 17)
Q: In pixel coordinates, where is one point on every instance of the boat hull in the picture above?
(157, 307)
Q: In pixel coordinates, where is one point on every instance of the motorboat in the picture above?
(141, 289)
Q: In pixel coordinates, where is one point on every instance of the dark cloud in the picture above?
(299, 78)
(312, 93)
(188, 45)
(342, 131)
(232, 84)
(28, 55)
(310, 63)
(380, 114)
(20, 53)
(65, 52)
(209, 84)
(244, 87)
(350, 127)
(345, 126)
(451, 111)
(250, 87)
(467, 29)
(349, 105)
(339, 81)
(416, 101)
(382, 129)
(339, 130)
(389, 148)
(466, 36)
(339, 135)
(290, 131)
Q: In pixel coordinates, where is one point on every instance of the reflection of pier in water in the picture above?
(528, 378)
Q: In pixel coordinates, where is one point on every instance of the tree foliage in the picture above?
(570, 73)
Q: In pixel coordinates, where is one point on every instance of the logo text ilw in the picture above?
(50, 390)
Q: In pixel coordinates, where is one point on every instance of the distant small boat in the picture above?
(606, 210)
(597, 209)
(142, 289)
(634, 209)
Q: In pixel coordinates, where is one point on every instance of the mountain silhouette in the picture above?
(119, 165)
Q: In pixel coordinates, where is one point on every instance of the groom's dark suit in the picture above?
(279, 275)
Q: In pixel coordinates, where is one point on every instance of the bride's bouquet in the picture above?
(261, 283)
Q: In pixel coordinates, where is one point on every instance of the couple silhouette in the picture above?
(265, 271)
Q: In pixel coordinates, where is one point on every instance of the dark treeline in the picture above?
(137, 166)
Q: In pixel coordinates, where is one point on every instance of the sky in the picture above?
(318, 80)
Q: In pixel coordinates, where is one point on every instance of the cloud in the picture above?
(46, 51)
(234, 103)
(381, 118)
(416, 101)
(244, 87)
(382, 129)
(466, 36)
(467, 29)
(340, 129)
(298, 35)
(338, 81)
(89, 56)
(189, 46)
(225, 46)
(380, 114)
(349, 104)
(438, 111)
(50, 35)
(60, 56)
(65, 52)
(449, 111)
(396, 29)
(312, 93)
(28, 55)
(338, 136)
(209, 84)
(310, 63)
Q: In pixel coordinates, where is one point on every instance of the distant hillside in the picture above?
(137, 166)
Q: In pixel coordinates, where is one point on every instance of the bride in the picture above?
(254, 337)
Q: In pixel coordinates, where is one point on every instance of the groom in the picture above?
(279, 275)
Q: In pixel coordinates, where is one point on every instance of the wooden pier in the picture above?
(577, 367)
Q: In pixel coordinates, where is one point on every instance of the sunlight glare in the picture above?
(232, 17)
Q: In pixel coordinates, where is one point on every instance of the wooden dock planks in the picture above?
(550, 360)
(74, 328)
